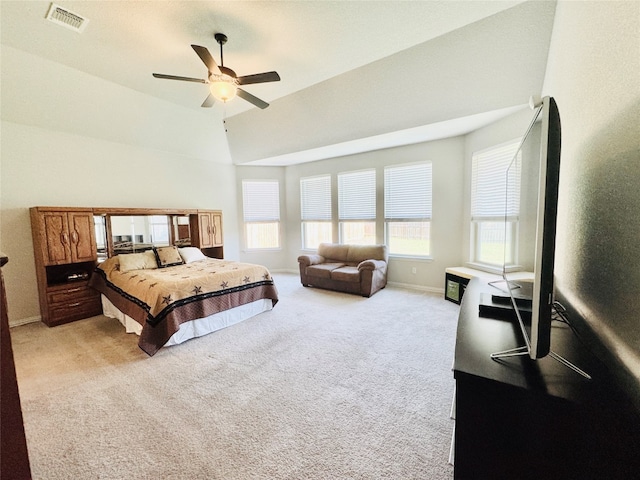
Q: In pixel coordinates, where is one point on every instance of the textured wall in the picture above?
(594, 74)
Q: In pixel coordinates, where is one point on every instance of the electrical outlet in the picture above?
(414, 270)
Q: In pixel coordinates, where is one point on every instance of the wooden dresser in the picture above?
(65, 252)
(516, 418)
(14, 456)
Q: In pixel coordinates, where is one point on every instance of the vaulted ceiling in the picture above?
(352, 72)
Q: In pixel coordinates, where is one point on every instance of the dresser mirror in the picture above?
(181, 230)
(100, 225)
(120, 234)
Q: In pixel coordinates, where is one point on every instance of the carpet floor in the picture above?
(325, 386)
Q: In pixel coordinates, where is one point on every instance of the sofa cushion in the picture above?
(322, 270)
(334, 251)
(358, 253)
(346, 274)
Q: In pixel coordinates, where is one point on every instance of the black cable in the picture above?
(559, 313)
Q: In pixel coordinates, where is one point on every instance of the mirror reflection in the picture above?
(181, 230)
(117, 234)
(100, 224)
(137, 233)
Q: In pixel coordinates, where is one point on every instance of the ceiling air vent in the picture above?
(66, 18)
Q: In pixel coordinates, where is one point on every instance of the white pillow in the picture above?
(191, 254)
(137, 261)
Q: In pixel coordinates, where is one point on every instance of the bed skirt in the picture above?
(193, 328)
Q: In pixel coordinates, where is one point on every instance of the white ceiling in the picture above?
(408, 136)
(306, 42)
(449, 85)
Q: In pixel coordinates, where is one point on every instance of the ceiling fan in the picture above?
(223, 82)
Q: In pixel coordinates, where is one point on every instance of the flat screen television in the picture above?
(535, 205)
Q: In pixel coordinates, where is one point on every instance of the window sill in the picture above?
(260, 250)
(485, 268)
(411, 258)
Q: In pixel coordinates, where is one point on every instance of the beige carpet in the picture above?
(326, 386)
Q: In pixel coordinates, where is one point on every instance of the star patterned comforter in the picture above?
(164, 298)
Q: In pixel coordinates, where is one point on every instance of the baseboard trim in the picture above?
(408, 286)
(24, 321)
(411, 286)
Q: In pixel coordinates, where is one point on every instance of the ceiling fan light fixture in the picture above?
(223, 87)
(223, 82)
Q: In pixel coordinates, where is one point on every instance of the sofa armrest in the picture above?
(372, 265)
(307, 260)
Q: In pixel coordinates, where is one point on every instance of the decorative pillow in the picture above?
(110, 264)
(167, 256)
(191, 254)
(137, 261)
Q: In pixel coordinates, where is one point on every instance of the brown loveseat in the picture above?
(360, 269)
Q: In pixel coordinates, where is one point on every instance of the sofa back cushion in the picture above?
(333, 251)
(353, 254)
(358, 253)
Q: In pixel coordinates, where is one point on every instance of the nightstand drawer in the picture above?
(71, 301)
(74, 309)
(70, 293)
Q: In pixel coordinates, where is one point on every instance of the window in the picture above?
(159, 229)
(315, 208)
(357, 207)
(261, 206)
(407, 209)
(495, 205)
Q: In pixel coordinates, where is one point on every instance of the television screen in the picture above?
(531, 200)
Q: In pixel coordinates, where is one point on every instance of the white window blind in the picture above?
(357, 195)
(495, 204)
(315, 198)
(512, 188)
(493, 187)
(261, 208)
(315, 209)
(407, 209)
(407, 192)
(261, 200)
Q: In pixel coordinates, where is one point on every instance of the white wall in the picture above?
(509, 128)
(82, 141)
(447, 159)
(276, 259)
(39, 92)
(452, 185)
(594, 74)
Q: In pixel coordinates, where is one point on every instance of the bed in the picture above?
(180, 300)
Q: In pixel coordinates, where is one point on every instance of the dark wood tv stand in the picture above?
(517, 418)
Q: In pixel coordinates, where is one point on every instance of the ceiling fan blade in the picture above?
(251, 99)
(174, 77)
(259, 78)
(206, 57)
(209, 101)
